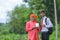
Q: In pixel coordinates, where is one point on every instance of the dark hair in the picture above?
(42, 10)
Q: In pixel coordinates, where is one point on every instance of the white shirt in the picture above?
(49, 24)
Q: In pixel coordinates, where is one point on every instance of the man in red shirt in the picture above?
(31, 28)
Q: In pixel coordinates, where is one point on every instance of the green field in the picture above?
(4, 35)
(22, 37)
(52, 37)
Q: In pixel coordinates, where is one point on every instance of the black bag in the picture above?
(50, 29)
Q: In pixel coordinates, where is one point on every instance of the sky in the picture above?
(7, 5)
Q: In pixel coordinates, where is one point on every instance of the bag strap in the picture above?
(46, 21)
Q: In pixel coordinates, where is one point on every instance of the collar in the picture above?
(44, 17)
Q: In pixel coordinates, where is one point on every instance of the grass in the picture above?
(52, 37)
(10, 37)
(25, 36)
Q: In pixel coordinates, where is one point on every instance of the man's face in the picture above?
(42, 14)
(32, 19)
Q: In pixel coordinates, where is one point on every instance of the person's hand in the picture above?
(35, 28)
(43, 25)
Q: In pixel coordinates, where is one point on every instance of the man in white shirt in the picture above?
(46, 25)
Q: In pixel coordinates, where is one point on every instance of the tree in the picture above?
(48, 5)
(58, 10)
(19, 16)
(50, 9)
(36, 5)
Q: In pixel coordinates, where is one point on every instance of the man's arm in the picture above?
(28, 28)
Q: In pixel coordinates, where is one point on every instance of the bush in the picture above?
(10, 37)
(4, 29)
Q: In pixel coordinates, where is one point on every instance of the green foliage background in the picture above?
(15, 29)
